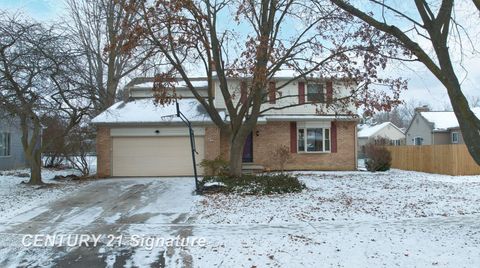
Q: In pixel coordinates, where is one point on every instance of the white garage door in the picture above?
(154, 156)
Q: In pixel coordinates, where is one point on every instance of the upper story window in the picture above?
(418, 141)
(313, 140)
(4, 144)
(455, 137)
(315, 92)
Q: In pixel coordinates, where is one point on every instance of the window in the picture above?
(418, 141)
(4, 144)
(395, 142)
(315, 93)
(313, 140)
(454, 137)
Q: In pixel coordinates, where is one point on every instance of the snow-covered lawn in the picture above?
(346, 196)
(349, 219)
(342, 219)
(16, 197)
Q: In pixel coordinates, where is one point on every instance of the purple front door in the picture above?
(248, 149)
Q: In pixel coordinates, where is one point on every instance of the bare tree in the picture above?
(101, 30)
(37, 80)
(200, 33)
(474, 101)
(435, 24)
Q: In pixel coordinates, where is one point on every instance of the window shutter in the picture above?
(243, 92)
(333, 138)
(329, 92)
(293, 137)
(272, 92)
(301, 92)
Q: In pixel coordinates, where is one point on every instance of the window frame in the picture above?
(305, 140)
(457, 134)
(415, 141)
(395, 142)
(323, 93)
(5, 137)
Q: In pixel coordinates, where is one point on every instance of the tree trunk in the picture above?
(236, 157)
(36, 168)
(237, 142)
(467, 120)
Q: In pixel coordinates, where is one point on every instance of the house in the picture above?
(11, 149)
(387, 131)
(136, 137)
(435, 127)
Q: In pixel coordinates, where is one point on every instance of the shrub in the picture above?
(378, 158)
(280, 156)
(215, 167)
(264, 184)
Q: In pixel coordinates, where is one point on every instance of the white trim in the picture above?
(305, 128)
(155, 132)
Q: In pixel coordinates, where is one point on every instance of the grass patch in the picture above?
(253, 184)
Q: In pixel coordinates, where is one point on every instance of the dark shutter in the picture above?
(329, 92)
(333, 138)
(272, 92)
(293, 137)
(243, 92)
(301, 92)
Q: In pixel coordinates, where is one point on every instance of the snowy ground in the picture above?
(16, 197)
(351, 219)
(342, 219)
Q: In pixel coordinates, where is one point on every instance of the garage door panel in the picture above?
(154, 156)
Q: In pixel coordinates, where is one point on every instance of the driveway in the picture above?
(115, 207)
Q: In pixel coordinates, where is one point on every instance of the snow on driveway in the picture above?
(342, 219)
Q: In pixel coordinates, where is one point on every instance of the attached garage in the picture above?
(154, 152)
(137, 138)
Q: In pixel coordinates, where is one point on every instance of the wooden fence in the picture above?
(450, 159)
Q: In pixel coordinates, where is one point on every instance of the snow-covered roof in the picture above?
(147, 111)
(368, 131)
(178, 84)
(325, 117)
(445, 120)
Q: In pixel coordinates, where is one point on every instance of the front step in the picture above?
(251, 168)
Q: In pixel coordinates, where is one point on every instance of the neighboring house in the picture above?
(11, 149)
(135, 137)
(432, 127)
(386, 131)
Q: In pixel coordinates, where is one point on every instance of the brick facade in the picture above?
(104, 145)
(212, 142)
(270, 136)
(266, 138)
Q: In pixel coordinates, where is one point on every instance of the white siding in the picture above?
(340, 89)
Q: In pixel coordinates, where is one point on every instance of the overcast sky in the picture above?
(423, 86)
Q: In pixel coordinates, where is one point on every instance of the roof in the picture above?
(325, 117)
(369, 131)
(178, 84)
(147, 111)
(445, 120)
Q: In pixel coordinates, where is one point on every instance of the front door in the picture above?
(248, 149)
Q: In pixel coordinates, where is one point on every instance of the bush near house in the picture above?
(264, 184)
(378, 158)
(215, 167)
